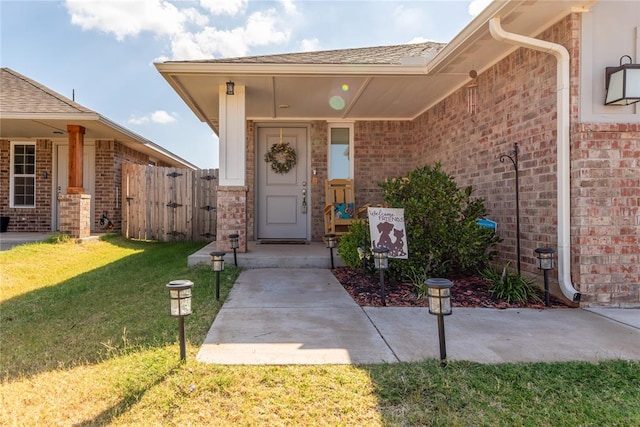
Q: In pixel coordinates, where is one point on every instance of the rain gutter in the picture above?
(563, 143)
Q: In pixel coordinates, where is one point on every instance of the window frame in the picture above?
(13, 175)
(341, 125)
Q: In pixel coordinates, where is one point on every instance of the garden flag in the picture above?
(387, 229)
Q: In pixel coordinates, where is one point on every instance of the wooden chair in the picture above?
(340, 206)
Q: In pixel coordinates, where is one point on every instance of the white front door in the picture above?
(283, 198)
(88, 175)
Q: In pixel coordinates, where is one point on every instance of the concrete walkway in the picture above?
(304, 316)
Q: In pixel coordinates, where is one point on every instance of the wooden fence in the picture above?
(169, 204)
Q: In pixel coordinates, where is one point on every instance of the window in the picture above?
(23, 176)
(340, 151)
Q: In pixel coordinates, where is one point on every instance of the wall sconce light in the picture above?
(230, 88)
(217, 262)
(439, 293)
(623, 83)
(381, 262)
(544, 262)
(180, 306)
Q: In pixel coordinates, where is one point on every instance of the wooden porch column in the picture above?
(76, 154)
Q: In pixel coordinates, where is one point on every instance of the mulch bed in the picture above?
(467, 291)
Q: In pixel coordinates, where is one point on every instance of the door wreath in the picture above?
(282, 157)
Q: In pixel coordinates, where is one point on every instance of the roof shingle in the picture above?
(19, 94)
(380, 55)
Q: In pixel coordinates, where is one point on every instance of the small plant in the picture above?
(418, 277)
(58, 238)
(357, 238)
(508, 286)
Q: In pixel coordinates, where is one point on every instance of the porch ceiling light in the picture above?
(623, 83)
(230, 88)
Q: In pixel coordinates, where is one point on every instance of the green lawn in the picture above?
(86, 340)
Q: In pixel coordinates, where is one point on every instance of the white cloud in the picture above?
(129, 18)
(477, 6)
(135, 120)
(188, 31)
(225, 7)
(309, 45)
(417, 40)
(159, 116)
(288, 6)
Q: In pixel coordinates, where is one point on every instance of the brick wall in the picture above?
(516, 103)
(36, 219)
(606, 212)
(232, 215)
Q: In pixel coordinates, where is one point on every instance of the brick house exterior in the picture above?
(25, 102)
(515, 100)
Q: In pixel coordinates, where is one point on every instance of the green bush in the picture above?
(508, 286)
(358, 237)
(442, 233)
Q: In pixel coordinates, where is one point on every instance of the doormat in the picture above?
(283, 242)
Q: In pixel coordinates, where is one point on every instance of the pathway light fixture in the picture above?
(217, 261)
(544, 262)
(381, 262)
(439, 294)
(234, 239)
(180, 306)
(330, 242)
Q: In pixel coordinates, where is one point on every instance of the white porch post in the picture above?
(232, 188)
(232, 137)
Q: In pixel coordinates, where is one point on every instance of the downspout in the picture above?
(563, 143)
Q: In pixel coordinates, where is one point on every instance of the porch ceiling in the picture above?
(303, 91)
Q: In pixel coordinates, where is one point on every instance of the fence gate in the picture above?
(169, 204)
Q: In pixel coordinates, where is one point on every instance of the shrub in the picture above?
(440, 218)
(508, 286)
(358, 237)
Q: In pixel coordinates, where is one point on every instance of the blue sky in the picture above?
(104, 50)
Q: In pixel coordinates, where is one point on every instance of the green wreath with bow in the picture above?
(282, 157)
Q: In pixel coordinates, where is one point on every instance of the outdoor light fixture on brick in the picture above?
(623, 83)
(231, 88)
(217, 261)
(330, 242)
(439, 294)
(180, 306)
(234, 239)
(381, 262)
(544, 262)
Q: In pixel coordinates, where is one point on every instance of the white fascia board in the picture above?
(248, 69)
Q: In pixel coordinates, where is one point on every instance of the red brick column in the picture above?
(231, 217)
(75, 214)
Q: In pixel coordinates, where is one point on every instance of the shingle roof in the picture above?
(19, 94)
(380, 55)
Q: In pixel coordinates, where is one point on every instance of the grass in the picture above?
(86, 340)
